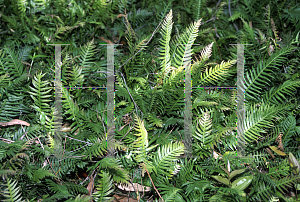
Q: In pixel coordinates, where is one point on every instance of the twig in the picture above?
(149, 198)
(218, 48)
(132, 185)
(171, 130)
(230, 15)
(64, 148)
(78, 140)
(179, 134)
(152, 182)
(24, 134)
(9, 141)
(115, 39)
(141, 27)
(128, 132)
(49, 161)
(89, 176)
(4, 32)
(208, 20)
(135, 105)
(77, 149)
(142, 185)
(215, 18)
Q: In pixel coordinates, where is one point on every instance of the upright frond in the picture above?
(184, 42)
(164, 42)
(104, 188)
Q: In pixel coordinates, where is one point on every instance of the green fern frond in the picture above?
(140, 145)
(98, 149)
(196, 6)
(13, 65)
(186, 173)
(41, 94)
(12, 192)
(40, 174)
(73, 110)
(139, 16)
(11, 107)
(112, 166)
(164, 42)
(197, 188)
(183, 49)
(204, 136)
(75, 76)
(276, 95)
(81, 198)
(154, 120)
(170, 193)
(165, 157)
(205, 55)
(57, 188)
(21, 4)
(218, 73)
(176, 74)
(258, 78)
(86, 56)
(257, 119)
(104, 188)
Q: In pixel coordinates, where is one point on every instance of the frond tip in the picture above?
(12, 192)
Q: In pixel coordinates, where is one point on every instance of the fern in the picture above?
(104, 188)
(165, 156)
(40, 94)
(259, 77)
(11, 192)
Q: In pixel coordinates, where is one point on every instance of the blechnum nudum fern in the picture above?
(155, 146)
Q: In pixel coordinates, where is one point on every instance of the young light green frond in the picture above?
(140, 145)
(142, 141)
(164, 42)
(218, 73)
(141, 44)
(69, 104)
(21, 7)
(176, 74)
(274, 199)
(76, 78)
(205, 55)
(183, 52)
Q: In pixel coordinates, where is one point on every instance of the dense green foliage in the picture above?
(149, 94)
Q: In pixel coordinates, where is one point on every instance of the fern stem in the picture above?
(153, 183)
